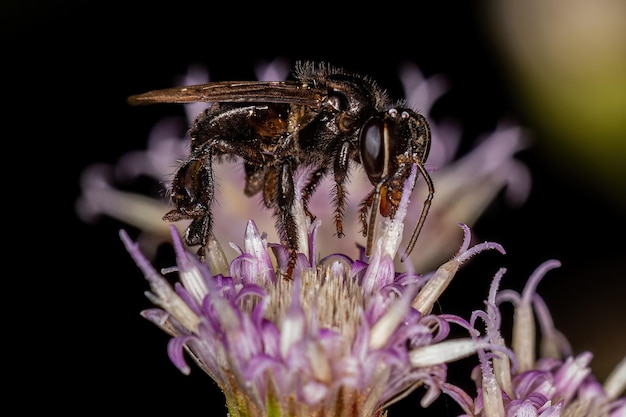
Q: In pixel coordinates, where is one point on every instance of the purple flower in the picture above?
(343, 337)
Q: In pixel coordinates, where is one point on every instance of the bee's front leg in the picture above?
(365, 206)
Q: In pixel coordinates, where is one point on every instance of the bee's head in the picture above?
(389, 144)
(390, 139)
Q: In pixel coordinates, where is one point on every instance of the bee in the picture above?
(324, 118)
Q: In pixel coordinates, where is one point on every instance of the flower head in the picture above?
(343, 337)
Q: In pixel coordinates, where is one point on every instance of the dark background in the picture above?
(69, 68)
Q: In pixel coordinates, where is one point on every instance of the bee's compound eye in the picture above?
(372, 148)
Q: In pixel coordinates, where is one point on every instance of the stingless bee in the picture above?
(324, 118)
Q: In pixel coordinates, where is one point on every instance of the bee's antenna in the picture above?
(423, 214)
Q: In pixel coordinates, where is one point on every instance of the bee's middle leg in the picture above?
(286, 220)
